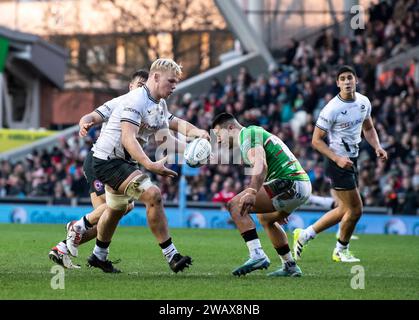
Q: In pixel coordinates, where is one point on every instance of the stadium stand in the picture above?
(286, 102)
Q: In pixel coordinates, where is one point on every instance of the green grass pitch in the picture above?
(390, 263)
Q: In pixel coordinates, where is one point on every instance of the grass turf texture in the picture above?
(390, 264)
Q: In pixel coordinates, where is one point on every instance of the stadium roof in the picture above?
(47, 59)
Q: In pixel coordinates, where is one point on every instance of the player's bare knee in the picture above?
(153, 196)
(232, 204)
(352, 215)
(156, 195)
(356, 213)
(235, 213)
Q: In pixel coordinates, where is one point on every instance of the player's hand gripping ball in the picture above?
(197, 152)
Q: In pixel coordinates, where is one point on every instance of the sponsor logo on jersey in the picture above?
(350, 123)
(144, 126)
(106, 106)
(131, 110)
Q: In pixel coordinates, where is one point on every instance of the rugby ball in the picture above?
(197, 152)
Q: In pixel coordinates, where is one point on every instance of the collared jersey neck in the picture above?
(149, 94)
(346, 100)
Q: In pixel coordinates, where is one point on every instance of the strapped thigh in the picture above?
(137, 186)
(116, 201)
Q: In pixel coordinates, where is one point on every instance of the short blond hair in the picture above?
(164, 64)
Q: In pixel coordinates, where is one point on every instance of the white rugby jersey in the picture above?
(106, 110)
(137, 107)
(342, 120)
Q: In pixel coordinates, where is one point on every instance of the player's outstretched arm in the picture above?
(130, 143)
(87, 121)
(371, 136)
(187, 129)
(321, 146)
(257, 158)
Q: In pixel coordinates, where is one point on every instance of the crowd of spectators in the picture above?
(57, 173)
(286, 102)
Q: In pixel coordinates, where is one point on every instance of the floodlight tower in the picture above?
(255, 16)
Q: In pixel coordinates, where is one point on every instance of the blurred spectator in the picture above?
(216, 88)
(227, 192)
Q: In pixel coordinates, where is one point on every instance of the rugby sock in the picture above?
(101, 250)
(62, 247)
(284, 253)
(341, 245)
(82, 225)
(309, 233)
(168, 249)
(87, 224)
(322, 201)
(253, 244)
